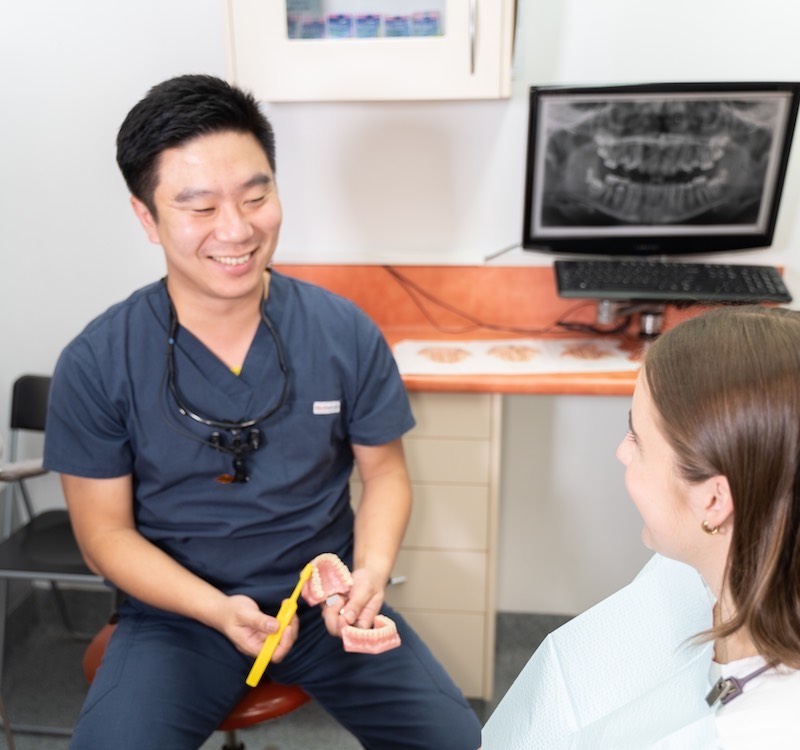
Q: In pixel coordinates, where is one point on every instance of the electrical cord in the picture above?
(418, 293)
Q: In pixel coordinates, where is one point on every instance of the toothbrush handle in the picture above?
(284, 617)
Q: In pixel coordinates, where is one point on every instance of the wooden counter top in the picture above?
(444, 302)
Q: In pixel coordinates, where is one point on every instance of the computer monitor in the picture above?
(656, 169)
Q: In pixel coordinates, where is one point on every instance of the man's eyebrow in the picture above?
(259, 180)
(187, 195)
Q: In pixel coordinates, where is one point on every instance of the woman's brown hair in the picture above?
(726, 386)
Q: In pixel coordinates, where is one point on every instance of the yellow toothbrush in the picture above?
(284, 617)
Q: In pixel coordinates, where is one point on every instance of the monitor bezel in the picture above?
(637, 245)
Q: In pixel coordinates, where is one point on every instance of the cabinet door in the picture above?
(458, 640)
(470, 59)
(448, 553)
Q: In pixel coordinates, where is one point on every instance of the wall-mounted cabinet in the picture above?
(360, 50)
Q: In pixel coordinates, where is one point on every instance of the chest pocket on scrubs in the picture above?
(314, 444)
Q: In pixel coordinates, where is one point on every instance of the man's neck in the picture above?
(225, 327)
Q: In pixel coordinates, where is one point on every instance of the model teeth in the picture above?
(331, 576)
(382, 628)
(341, 572)
(382, 637)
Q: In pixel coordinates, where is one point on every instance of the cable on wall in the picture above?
(424, 300)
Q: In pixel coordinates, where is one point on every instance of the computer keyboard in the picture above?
(636, 280)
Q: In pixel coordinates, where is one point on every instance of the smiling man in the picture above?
(206, 429)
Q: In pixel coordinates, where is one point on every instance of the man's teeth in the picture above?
(227, 261)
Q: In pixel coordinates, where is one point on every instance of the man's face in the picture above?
(219, 215)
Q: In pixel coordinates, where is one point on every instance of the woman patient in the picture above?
(712, 464)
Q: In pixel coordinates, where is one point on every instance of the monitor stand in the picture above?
(650, 314)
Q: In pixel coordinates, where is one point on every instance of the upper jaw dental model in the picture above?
(331, 577)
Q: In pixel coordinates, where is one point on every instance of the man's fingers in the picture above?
(288, 638)
(366, 618)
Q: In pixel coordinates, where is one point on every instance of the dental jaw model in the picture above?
(325, 577)
(331, 578)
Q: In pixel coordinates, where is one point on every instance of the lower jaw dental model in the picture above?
(330, 578)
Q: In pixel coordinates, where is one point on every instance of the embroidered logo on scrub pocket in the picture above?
(327, 407)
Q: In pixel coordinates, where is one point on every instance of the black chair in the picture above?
(34, 546)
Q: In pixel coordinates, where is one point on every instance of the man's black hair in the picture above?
(177, 111)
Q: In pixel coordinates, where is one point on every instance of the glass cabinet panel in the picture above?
(364, 19)
(339, 50)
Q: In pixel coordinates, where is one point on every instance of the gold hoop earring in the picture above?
(706, 526)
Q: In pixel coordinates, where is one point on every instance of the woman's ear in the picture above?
(716, 502)
(146, 219)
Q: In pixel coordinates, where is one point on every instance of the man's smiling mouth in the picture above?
(228, 260)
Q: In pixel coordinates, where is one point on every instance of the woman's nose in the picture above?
(624, 451)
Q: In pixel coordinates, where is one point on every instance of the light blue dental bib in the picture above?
(621, 676)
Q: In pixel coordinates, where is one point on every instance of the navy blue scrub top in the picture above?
(111, 414)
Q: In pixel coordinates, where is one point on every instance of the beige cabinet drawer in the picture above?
(448, 550)
(440, 460)
(464, 415)
(444, 516)
(448, 460)
(449, 516)
(442, 580)
(458, 641)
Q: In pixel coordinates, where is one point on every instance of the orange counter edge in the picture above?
(522, 296)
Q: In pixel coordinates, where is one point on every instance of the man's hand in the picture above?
(247, 627)
(363, 602)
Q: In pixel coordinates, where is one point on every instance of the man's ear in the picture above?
(717, 501)
(147, 220)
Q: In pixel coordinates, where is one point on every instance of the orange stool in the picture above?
(269, 700)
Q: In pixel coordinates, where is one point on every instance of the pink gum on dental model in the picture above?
(330, 576)
(382, 637)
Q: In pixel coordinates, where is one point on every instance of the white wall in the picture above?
(389, 182)
(69, 71)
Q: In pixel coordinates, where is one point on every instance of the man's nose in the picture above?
(232, 225)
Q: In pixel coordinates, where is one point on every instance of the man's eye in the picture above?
(630, 436)
(202, 210)
(256, 201)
